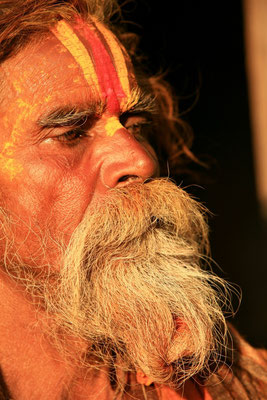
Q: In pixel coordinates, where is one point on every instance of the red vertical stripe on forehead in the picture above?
(108, 78)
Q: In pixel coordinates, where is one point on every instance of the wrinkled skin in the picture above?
(47, 180)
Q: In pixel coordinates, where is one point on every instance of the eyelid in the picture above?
(143, 117)
(75, 131)
(137, 120)
(65, 139)
(83, 125)
(140, 128)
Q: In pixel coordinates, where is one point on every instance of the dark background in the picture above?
(201, 44)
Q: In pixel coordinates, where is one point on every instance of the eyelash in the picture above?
(68, 139)
(138, 129)
(74, 136)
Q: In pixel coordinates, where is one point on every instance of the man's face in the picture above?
(130, 275)
(62, 145)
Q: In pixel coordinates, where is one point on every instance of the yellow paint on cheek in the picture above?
(65, 34)
(48, 98)
(8, 163)
(112, 126)
(8, 149)
(10, 166)
(17, 87)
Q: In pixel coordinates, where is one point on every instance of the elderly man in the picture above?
(102, 292)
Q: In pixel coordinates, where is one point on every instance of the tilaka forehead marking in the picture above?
(108, 57)
(119, 58)
(103, 65)
(112, 126)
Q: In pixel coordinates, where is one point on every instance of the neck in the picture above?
(32, 367)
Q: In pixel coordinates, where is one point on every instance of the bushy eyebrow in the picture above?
(69, 116)
(138, 102)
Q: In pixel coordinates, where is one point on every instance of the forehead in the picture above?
(82, 58)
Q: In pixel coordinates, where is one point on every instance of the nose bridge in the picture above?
(126, 160)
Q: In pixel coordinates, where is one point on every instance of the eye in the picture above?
(140, 127)
(72, 137)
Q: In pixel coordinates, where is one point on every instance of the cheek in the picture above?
(63, 195)
(70, 203)
(48, 197)
(47, 207)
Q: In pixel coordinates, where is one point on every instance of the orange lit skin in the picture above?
(143, 379)
(46, 186)
(44, 180)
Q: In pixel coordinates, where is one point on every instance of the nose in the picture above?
(126, 160)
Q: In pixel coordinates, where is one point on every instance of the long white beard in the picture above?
(132, 287)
